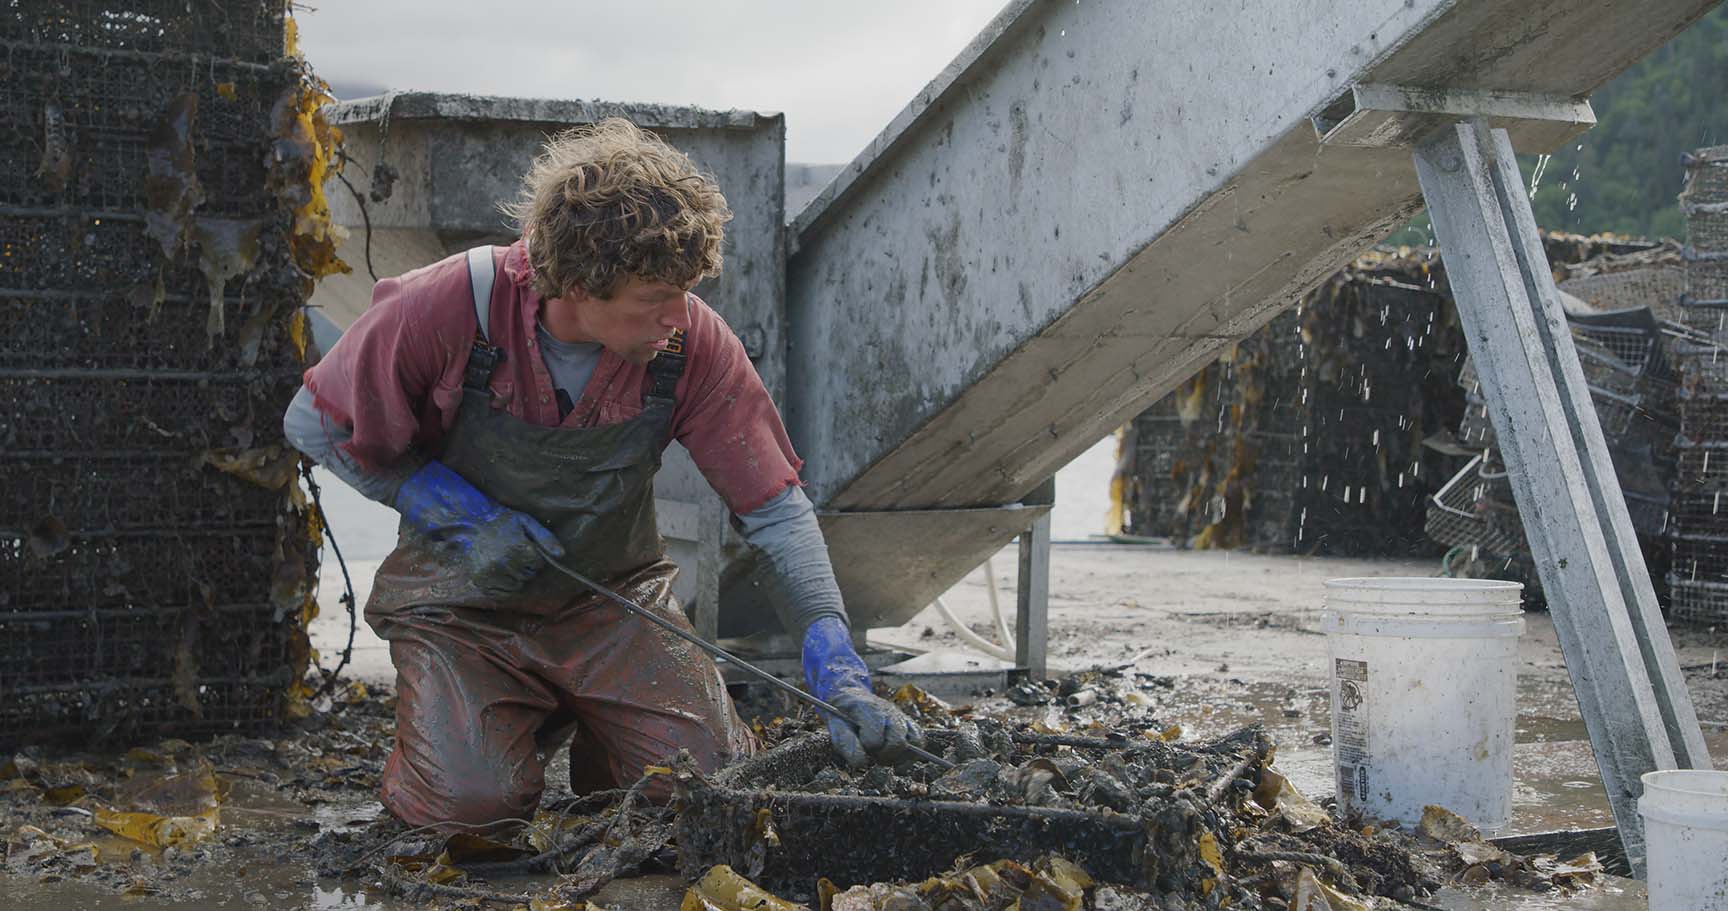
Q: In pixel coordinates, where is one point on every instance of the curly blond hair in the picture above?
(609, 200)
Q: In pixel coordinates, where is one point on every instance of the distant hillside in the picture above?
(1623, 175)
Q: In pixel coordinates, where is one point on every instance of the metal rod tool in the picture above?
(721, 653)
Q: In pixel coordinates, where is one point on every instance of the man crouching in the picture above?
(516, 396)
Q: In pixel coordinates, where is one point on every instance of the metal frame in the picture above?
(1032, 592)
(1629, 685)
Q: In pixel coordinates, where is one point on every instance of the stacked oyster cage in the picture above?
(1365, 388)
(1195, 448)
(1620, 310)
(1698, 573)
(1308, 436)
(154, 569)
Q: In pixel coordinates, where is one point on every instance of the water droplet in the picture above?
(1536, 174)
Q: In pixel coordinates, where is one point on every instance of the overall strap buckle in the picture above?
(483, 359)
(665, 369)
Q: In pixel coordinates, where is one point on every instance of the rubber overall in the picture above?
(487, 687)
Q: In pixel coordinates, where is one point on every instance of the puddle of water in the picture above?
(1538, 729)
(1614, 895)
(339, 896)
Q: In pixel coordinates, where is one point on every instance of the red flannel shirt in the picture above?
(395, 378)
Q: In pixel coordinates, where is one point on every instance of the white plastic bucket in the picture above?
(1685, 815)
(1424, 676)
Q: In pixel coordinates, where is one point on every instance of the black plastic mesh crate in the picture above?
(1695, 601)
(1698, 573)
(1699, 555)
(1475, 509)
(1155, 490)
(1696, 508)
(1708, 231)
(141, 589)
(1658, 287)
(239, 567)
(1629, 378)
(119, 331)
(1706, 295)
(81, 127)
(88, 253)
(1614, 357)
(1703, 417)
(106, 173)
(134, 414)
(1704, 198)
(893, 838)
(1309, 436)
(1709, 319)
(1703, 367)
(96, 496)
(41, 650)
(121, 710)
(243, 31)
(91, 92)
(1706, 176)
(1621, 417)
(1702, 467)
(1705, 202)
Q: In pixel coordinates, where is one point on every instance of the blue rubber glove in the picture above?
(492, 544)
(873, 726)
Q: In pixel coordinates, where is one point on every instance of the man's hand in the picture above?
(494, 545)
(876, 728)
(836, 675)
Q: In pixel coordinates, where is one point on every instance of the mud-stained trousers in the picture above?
(485, 696)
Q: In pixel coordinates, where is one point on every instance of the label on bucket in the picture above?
(1351, 736)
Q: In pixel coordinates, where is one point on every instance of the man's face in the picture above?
(635, 321)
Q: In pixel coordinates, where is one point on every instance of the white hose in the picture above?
(999, 652)
(971, 638)
(1002, 633)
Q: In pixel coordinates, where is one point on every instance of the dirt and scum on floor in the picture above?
(1193, 775)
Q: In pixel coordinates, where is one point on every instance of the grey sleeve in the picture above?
(320, 439)
(785, 530)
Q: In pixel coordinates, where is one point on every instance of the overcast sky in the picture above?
(839, 71)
